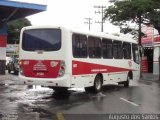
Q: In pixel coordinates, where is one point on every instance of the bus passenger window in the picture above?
(107, 48)
(117, 50)
(79, 46)
(135, 52)
(127, 50)
(94, 47)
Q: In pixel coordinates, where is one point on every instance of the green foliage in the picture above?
(14, 28)
(124, 12)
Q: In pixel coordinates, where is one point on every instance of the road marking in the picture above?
(129, 102)
(60, 116)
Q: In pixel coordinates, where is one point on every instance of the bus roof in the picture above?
(85, 32)
(105, 35)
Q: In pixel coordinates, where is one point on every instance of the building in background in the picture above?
(11, 10)
(151, 45)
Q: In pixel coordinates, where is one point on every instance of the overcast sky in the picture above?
(71, 13)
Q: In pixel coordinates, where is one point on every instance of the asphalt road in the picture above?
(21, 102)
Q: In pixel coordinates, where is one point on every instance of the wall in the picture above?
(155, 60)
(3, 42)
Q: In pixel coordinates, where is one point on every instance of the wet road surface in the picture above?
(38, 103)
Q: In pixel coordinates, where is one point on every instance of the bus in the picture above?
(61, 58)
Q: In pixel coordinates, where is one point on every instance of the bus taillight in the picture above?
(21, 68)
(62, 68)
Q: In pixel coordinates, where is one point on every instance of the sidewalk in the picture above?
(149, 77)
(8, 79)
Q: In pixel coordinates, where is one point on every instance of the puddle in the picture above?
(145, 82)
(37, 88)
(99, 95)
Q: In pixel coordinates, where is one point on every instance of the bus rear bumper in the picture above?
(56, 82)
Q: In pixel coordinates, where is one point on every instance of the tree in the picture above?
(126, 13)
(14, 28)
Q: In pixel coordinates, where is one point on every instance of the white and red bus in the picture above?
(62, 58)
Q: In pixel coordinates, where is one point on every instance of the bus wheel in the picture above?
(126, 83)
(97, 84)
(96, 87)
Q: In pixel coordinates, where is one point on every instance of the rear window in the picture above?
(41, 39)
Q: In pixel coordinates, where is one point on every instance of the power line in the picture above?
(88, 22)
(100, 11)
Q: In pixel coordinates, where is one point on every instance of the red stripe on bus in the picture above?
(79, 68)
(3, 40)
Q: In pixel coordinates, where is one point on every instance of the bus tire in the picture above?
(98, 84)
(126, 83)
(96, 87)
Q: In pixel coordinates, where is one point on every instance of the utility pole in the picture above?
(100, 11)
(88, 22)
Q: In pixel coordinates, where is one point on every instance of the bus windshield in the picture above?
(41, 39)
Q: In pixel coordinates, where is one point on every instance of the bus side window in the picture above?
(79, 46)
(127, 50)
(117, 50)
(94, 47)
(107, 48)
(135, 52)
